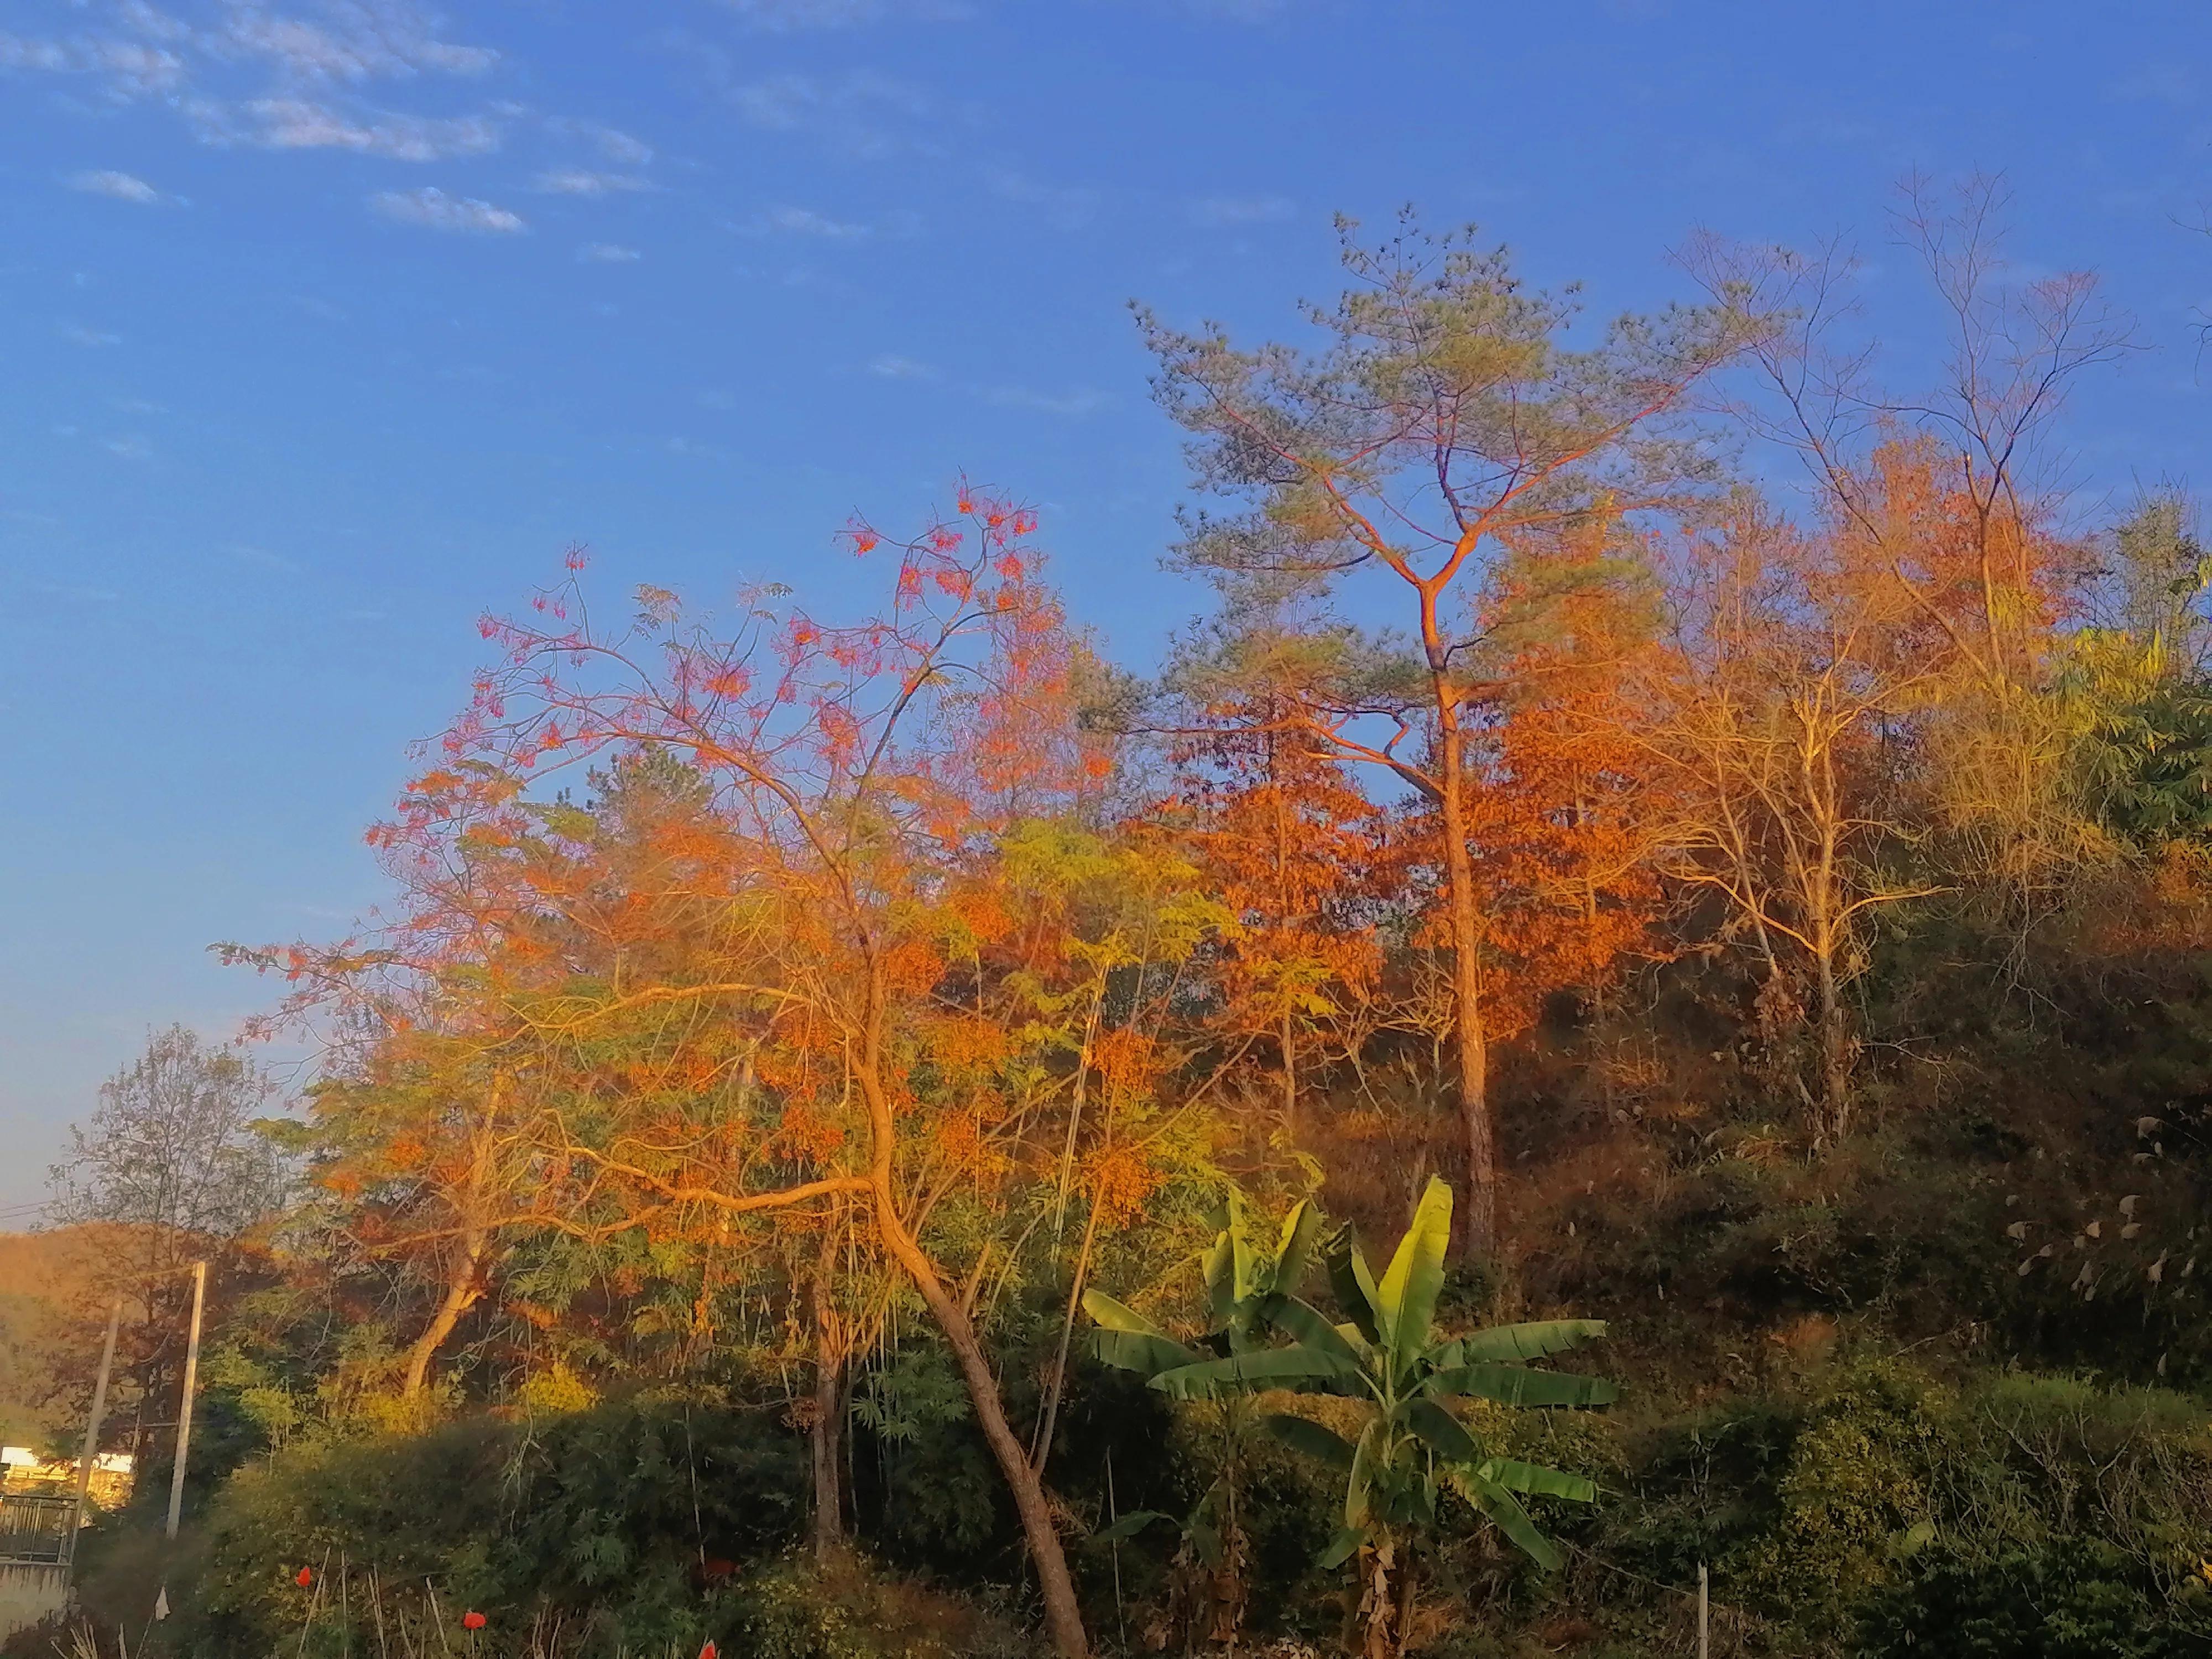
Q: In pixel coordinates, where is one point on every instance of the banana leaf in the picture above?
(1514, 1385)
(1407, 1299)
(1518, 1342)
(1535, 1478)
(1441, 1432)
(1506, 1514)
(1352, 1282)
(1269, 1367)
(1302, 1434)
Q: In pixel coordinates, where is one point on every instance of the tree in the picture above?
(174, 1167)
(1569, 811)
(1948, 490)
(1444, 415)
(1240, 1280)
(834, 1043)
(1787, 656)
(1411, 1445)
(1279, 835)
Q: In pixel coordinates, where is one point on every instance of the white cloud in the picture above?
(849, 112)
(891, 367)
(577, 181)
(432, 207)
(18, 53)
(262, 559)
(1241, 210)
(1065, 207)
(89, 337)
(123, 186)
(620, 147)
(297, 124)
(366, 39)
(805, 221)
(779, 104)
(130, 70)
(607, 253)
(788, 16)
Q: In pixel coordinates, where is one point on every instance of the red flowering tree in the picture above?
(827, 1037)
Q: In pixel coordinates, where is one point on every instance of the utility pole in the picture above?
(92, 1429)
(185, 1408)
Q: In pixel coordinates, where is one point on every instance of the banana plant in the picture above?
(1412, 1445)
(1240, 1282)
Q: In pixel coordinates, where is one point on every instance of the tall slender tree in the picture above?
(1443, 411)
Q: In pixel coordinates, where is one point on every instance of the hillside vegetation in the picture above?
(1592, 1025)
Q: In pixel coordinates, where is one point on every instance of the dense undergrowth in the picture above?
(1856, 1388)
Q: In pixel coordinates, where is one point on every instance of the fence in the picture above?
(34, 1528)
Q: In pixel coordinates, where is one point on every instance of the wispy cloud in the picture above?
(127, 70)
(607, 253)
(790, 17)
(805, 221)
(619, 147)
(891, 367)
(580, 181)
(299, 124)
(123, 186)
(273, 75)
(1218, 211)
(1065, 207)
(364, 39)
(863, 113)
(2163, 83)
(89, 337)
(262, 559)
(141, 51)
(432, 207)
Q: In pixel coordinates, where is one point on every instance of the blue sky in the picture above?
(326, 323)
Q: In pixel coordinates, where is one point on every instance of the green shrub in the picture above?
(2082, 1599)
(608, 1519)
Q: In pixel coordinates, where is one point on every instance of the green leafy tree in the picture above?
(1445, 421)
(1241, 1283)
(1413, 1443)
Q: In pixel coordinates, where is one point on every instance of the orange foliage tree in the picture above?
(1444, 416)
(1569, 811)
(1291, 850)
(836, 1033)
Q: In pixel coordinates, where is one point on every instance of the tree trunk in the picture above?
(826, 1437)
(461, 1293)
(1480, 1211)
(1835, 1054)
(1062, 1615)
(826, 1434)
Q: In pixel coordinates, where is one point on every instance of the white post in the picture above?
(92, 1429)
(1704, 1622)
(185, 1408)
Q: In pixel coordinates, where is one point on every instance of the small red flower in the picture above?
(708, 1649)
(472, 1620)
(305, 1578)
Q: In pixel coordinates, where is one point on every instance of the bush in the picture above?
(612, 1520)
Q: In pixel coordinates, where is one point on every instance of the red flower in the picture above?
(707, 1648)
(472, 1620)
(306, 1577)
